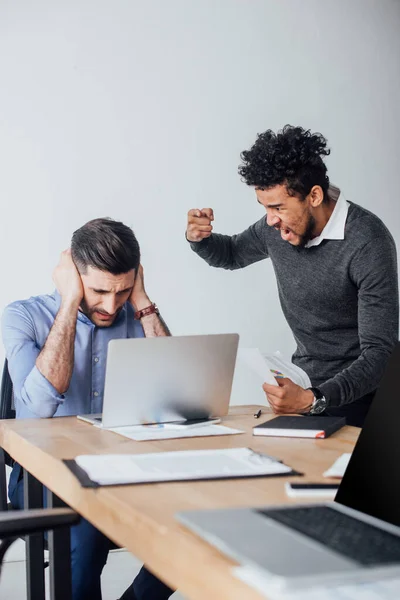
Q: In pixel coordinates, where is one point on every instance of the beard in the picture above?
(89, 312)
(307, 235)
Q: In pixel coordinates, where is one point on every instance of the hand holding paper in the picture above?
(286, 392)
(265, 365)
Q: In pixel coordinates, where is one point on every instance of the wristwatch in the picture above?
(319, 403)
(149, 310)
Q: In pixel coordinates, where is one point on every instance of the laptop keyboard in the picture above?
(359, 541)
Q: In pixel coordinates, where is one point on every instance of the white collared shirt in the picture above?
(334, 229)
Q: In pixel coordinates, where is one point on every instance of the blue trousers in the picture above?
(89, 551)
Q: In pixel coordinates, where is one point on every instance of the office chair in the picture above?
(7, 411)
(27, 522)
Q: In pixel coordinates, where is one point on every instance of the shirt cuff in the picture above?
(41, 396)
(331, 391)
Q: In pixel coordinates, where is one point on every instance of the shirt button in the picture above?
(95, 394)
(96, 359)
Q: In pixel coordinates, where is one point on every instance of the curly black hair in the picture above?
(293, 157)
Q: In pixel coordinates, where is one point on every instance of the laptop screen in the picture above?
(371, 483)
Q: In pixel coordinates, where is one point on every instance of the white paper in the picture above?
(143, 433)
(264, 365)
(111, 469)
(339, 466)
(268, 587)
(288, 369)
(253, 358)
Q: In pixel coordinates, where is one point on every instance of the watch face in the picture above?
(319, 406)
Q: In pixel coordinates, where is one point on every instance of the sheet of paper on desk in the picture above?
(114, 469)
(339, 466)
(145, 433)
(382, 589)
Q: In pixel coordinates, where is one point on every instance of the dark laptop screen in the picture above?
(371, 483)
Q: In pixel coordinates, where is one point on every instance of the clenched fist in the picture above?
(199, 224)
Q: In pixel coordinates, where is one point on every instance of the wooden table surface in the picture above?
(141, 517)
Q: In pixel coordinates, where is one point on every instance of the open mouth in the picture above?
(104, 317)
(286, 233)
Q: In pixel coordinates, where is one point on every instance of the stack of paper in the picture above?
(144, 433)
(114, 469)
(270, 366)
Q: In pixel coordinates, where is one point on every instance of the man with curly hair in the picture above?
(336, 269)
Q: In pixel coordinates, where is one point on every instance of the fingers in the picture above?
(273, 390)
(208, 212)
(66, 257)
(276, 398)
(199, 224)
(199, 217)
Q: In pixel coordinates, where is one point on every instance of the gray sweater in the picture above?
(340, 298)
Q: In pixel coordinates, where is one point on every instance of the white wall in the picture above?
(139, 110)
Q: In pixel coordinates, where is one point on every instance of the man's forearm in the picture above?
(56, 360)
(216, 251)
(360, 378)
(154, 326)
(236, 251)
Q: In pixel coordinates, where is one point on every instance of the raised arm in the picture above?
(56, 359)
(153, 324)
(225, 251)
(41, 376)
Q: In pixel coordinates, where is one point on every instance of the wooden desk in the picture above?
(141, 517)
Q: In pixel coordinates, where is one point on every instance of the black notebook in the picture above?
(298, 426)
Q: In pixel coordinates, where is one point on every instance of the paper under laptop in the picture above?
(166, 431)
(114, 469)
(380, 589)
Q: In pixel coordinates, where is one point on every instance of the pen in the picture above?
(277, 374)
(257, 414)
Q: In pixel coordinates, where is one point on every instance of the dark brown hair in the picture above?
(107, 245)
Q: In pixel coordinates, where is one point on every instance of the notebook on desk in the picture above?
(298, 426)
(354, 538)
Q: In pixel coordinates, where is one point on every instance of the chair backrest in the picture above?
(7, 410)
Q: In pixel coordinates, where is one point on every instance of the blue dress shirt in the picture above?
(25, 327)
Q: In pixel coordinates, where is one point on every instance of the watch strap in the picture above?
(148, 310)
(317, 392)
(319, 404)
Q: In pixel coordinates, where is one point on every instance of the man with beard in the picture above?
(335, 264)
(56, 346)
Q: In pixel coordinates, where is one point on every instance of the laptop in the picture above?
(163, 379)
(355, 538)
